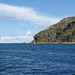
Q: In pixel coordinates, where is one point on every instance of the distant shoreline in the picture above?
(43, 43)
(54, 43)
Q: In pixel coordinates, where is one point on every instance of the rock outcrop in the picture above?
(64, 31)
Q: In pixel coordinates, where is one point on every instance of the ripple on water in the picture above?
(39, 59)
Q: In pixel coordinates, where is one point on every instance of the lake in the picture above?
(37, 59)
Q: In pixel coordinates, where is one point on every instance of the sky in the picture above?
(20, 20)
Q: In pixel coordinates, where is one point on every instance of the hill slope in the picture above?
(63, 31)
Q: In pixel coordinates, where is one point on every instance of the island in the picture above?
(61, 32)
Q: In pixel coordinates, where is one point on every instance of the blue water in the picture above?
(37, 59)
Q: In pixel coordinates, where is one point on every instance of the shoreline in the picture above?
(54, 43)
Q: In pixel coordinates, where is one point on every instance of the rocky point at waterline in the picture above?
(62, 32)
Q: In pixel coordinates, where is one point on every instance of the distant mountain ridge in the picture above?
(63, 31)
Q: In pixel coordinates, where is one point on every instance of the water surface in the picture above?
(37, 59)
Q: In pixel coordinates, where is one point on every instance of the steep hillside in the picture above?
(64, 31)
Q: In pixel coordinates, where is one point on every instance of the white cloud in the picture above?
(17, 39)
(36, 26)
(27, 14)
(7, 37)
(29, 33)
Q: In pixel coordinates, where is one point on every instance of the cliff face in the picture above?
(64, 31)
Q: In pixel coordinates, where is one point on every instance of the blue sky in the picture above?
(20, 20)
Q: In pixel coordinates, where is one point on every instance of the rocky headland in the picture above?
(62, 32)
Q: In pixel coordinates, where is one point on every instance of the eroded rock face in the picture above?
(73, 33)
(64, 31)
